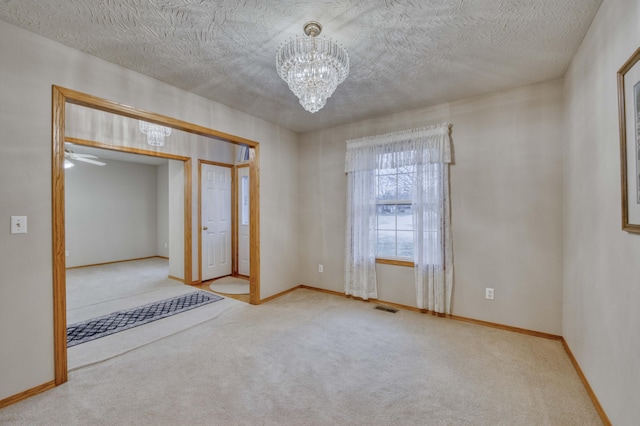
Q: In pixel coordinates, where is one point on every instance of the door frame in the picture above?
(187, 189)
(233, 242)
(60, 97)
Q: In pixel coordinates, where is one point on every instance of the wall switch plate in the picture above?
(488, 293)
(18, 224)
(320, 268)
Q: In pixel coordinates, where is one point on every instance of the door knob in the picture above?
(205, 227)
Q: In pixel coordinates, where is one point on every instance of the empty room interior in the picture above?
(340, 212)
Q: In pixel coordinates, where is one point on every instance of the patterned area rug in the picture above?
(115, 322)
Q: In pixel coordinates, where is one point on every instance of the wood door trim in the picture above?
(127, 149)
(234, 222)
(101, 104)
(215, 163)
(188, 226)
(254, 227)
(59, 259)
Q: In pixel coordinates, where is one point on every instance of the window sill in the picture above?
(395, 262)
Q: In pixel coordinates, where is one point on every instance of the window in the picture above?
(244, 204)
(398, 212)
(394, 218)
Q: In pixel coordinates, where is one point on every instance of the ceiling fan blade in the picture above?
(86, 160)
(84, 155)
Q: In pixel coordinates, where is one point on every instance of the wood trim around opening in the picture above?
(254, 227)
(130, 150)
(60, 97)
(59, 258)
(187, 220)
(101, 104)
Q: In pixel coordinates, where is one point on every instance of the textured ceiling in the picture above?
(404, 54)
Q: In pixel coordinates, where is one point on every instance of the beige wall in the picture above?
(510, 199)
(601, 303)
(30, 65)
(111, 129)
(506, 197)
(111, 212)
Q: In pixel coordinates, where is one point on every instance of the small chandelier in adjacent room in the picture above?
(155, 133)
(312, 67)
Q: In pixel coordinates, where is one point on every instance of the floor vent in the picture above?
(386, 309)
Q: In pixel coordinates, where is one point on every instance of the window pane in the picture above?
(386, 216)
(387, 187)
(385, 160)
(405, 186)
(405, 244)
(394, 192)
(244, 190)
(405, 217)
(380, 172)
(407, 169)
(386, 244)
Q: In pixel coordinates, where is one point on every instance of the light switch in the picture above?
(18, 224)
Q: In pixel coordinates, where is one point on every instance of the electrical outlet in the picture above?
(320, 268)
(488, 293)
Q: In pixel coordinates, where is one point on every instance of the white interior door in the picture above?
(243, 221)
(216, 221)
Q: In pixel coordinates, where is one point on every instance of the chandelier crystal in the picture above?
(155, 133)
(312, 67)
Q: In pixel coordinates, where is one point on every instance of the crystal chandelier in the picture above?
(312, 67)
(155, 133)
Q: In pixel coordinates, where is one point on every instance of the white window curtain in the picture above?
(360, 262)
(429, 150)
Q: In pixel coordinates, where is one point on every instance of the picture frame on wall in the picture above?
(629, 118)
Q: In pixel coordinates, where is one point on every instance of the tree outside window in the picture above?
(394, 222)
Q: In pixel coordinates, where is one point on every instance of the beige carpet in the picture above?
(230, 285)
(100, 290)
(310, 358)
(116, 344)
(98, 284)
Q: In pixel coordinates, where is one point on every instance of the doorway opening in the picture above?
(61, 98)
(223, 218)
(124, 232)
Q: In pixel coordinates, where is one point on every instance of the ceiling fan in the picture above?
(85, 158)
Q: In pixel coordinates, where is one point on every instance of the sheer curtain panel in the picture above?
(427, 151)
(360, 263)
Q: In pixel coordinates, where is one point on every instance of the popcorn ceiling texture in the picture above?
(404, 54)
